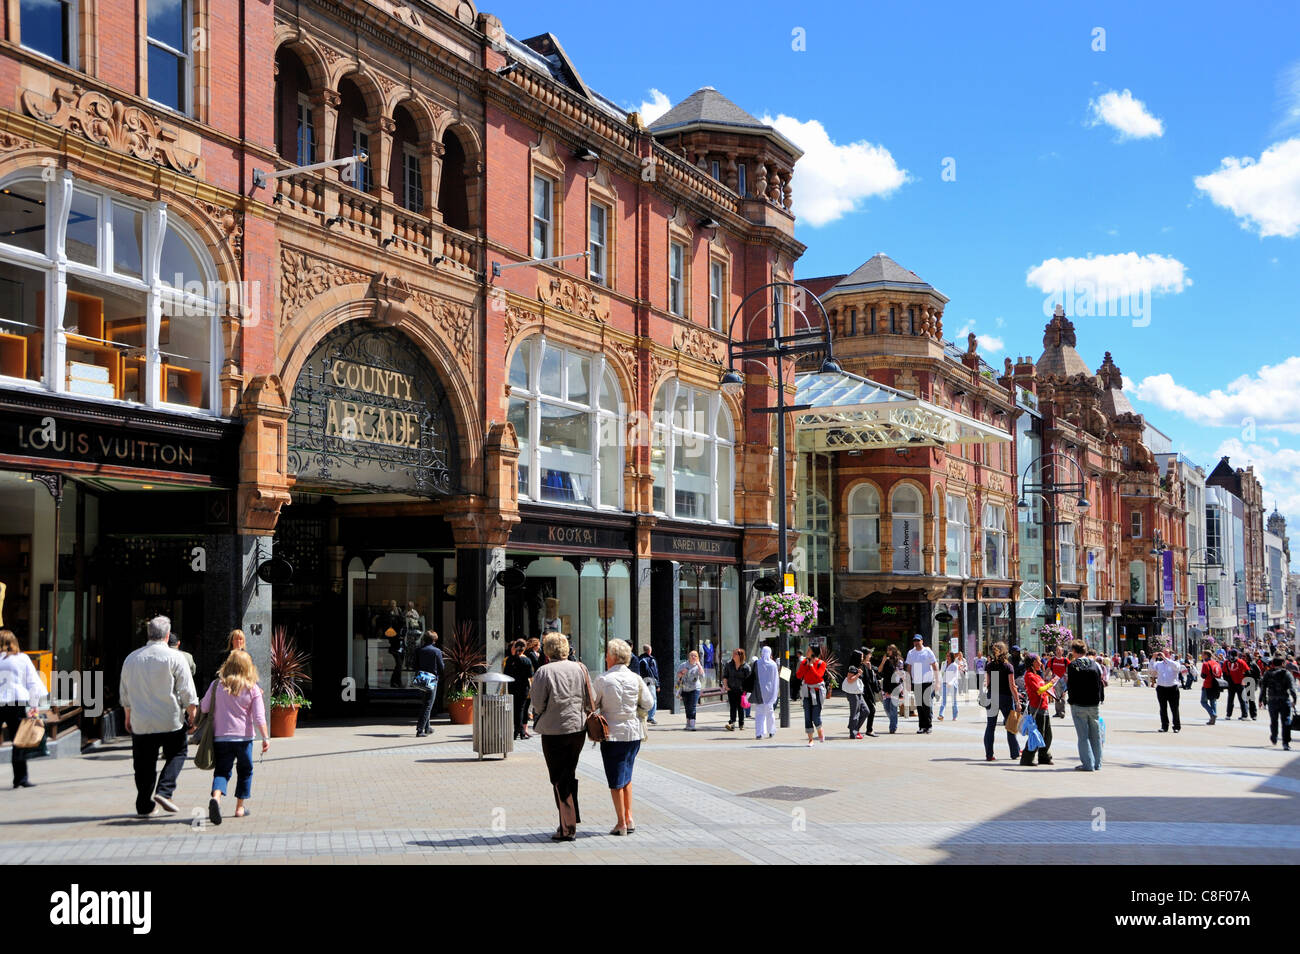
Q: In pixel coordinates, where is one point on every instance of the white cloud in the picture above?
(1126, 115)
(989, 344)
(1278, 470)
(654, 107)
(1288, 97)
(1111, 276)
(1263, 193)
(832, 180)
(1269, 398)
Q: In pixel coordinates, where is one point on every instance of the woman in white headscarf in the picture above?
(767, 685)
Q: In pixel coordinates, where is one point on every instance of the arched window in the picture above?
(352, 133)
(405, 176)
(864, 530)
(906, 516)
(995, 541)
(128, 329)
(453, 195)
(295, 124)
(816, 536)
(692, 455)
(958, 537)
(566, 424)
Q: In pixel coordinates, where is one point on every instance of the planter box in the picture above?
(461, 711)
(284, 721)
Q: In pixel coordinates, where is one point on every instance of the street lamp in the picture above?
(1158, 549)
(1211, 559)
(781, 347)
(1050, 489)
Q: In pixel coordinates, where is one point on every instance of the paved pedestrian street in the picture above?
(370, 793)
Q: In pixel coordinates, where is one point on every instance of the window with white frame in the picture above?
(1135, 522)
(995, 541)
(564, 405)
(1067, 552)
(306, 131)
(907, 528)
(49, 27)
(677, 278)
(169, 53)
(597, 244)
(864, 530)
(717, 295)
(543, 216)
(958, 536)
(361, 146)
(412, 181)
(138, 320)
(692, 454)
(816, 536)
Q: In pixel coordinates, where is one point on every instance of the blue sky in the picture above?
(1051, 159)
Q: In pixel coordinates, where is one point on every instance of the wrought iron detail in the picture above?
(371, 448)
(53, 483)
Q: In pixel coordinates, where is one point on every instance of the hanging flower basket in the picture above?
(794, 613)
(1053, 635)
(1155, 644)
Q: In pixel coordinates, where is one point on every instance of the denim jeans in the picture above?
(812, 712)
(948, 690)
(1087, 723)
(654, 694)
(891, 710)
(426, 708)
(991, 728)
(1210, 703)
(690, 699)
(229, 756)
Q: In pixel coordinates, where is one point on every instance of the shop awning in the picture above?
(847, 412)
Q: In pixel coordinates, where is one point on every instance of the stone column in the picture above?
(789, 192)
(431, 170)
(234, 598)
(480, 600)
(325, 117)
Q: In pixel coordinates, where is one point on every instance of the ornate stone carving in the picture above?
(302, 278)
(630, 357)
(957, 469)
(574, 296)
(660, 365)
(456, 324)
(228, 223)
(9, 142)
(112, 124)
(331, 55)
(386, 84)
(699, 344)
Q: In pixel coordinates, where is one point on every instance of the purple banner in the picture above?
(1201, 610)
(1168, 580)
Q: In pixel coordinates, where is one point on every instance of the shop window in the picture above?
(905, 507)
(123, 324)
(1137, 581)
(1066, 551)
(864, 530)
(568, 451)
(22, 216)
(692, 454)
(49, 27)
(958, 537)
(995, 541)
(169, 53)
(816, 536)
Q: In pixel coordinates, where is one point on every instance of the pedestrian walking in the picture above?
(1087, 693)
(1167, 673)
(428, 673)
(924, 670)
(870, 691)
(648, 669)
(559, 702)
(735, 678)
(1038, 692)
(891, 684)
(174, 642)
(766, 694)
(951, 680)
(519, 668)
(852, 687)
(812, 673)
(1280, 698)
(1236, 672)
(157, 695)
(1250, 687)
(1212, 676)
(238, 717)
(1000, 698)
(624, 699)
(21, 692)
(1056, 667)
(690, 680)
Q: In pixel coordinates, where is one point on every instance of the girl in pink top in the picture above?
(235, 702)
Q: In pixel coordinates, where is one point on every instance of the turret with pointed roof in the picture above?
(1059, 359)
(1113, 399)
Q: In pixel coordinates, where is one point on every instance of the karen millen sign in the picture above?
(369, 412)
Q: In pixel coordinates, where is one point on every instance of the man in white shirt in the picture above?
(157, 692)
(1167, 672)
(924, 668)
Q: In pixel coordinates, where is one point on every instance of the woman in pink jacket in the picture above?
(235, 702)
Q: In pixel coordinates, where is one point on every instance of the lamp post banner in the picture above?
(1201, 610)
(1167, 558)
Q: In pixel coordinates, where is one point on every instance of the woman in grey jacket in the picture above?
(621, 697)
(559, 700)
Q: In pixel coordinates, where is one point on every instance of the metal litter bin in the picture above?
(494, 716)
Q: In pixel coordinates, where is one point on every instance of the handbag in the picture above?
(205, 757)
(30, 733)
(597, 727)
(744, 700)
(1013, 721)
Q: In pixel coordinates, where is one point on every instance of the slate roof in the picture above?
(881, 271)
(708, 107)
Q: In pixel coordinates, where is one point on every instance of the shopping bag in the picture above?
(30, 733)
(1013, 721)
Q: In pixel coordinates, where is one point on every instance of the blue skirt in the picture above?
(618, 758)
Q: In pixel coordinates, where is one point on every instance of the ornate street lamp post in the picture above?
(1049, 489)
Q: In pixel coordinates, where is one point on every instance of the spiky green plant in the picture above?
(290, 670)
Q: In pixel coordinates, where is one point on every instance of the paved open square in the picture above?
(371, 793)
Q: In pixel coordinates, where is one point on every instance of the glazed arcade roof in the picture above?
(849, 412)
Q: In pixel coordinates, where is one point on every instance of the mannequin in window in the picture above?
(394, 626)
(552, 622)
(708, 659)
